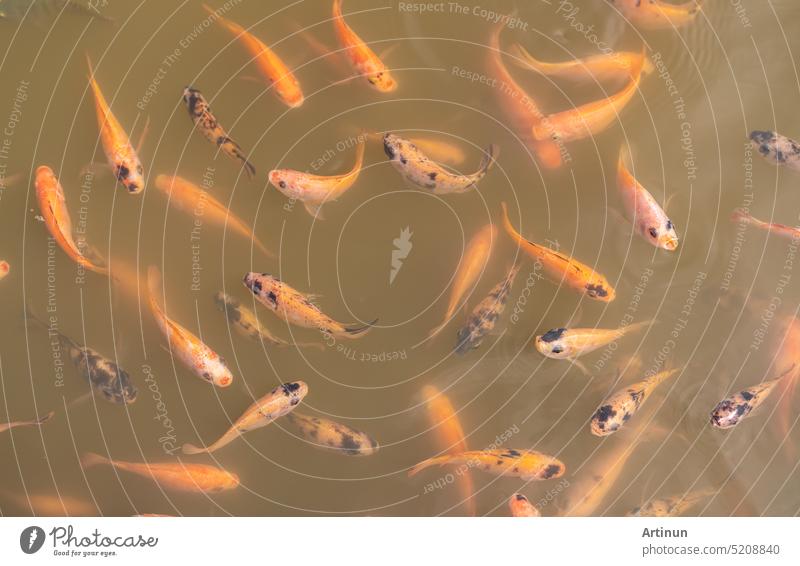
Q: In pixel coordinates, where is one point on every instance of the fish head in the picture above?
(229, 480)
(664, 236)
(392, 146)
(729, 412)
(382, 81)
(217, 372)
(263, 286)
(600, 290)
(285, 180)
(191, 96)
(551, 344)
(294, 391)
(126, 391)
(131, 175)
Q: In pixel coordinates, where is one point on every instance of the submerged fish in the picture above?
(275, 404)
(204, 362)
(197, 478)
(674, 506)
(776, 148)
(361, 58)
(420, 171)
(330, 435)
(485, 315)
(5, 268)
(120, 153)
(206, 123)
(562, 269)
(647, 216)
(519, 506)
(731, 411)
(44, 505)
(740, 215)
(274, 70)
(525, 464)
(440, 150)
(315, 190)
(296, 308)
(571, 343)
(657, 14)
(19, 9)
(33, 422)
(472, 264)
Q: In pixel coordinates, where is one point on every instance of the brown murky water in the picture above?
(728, 73)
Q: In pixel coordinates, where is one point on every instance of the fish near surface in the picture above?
(562, 269)
(33, 422)
(204, 362)
(525, 464)
(732, 410)
(206, 123)
(485, 315)
(782, 230)
(674, 506)
(419, 170)
(520, 506)
(315, 190)
(296, 308)
(195, 478)
(360, 56)
(330, 435)
(275, 404)
(777, 148)
(571, 343)
(657, 14)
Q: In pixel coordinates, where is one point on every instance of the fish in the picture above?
(201, 360)
(618, 409)
(656, 14)
(562, 269)
(443, 420)
(420, 171)
(275, 404)
(23, 9)
(528, 465)
(246, 323)
(776, 148)
(194, 478)
(606, 67)
(191, 199)
(361, 58)
(485, 314)
(674, 506)
(45, 505)
(120, 153)
(39, 421)
(744, 217)
(647, 216)
(53, 206)
(520, 506)
(296, 308)
(315, 190)
(520, 109)
(273, 69)
(333, 436)
(472, 264)
(571, 343)
(588, 119)
(731, 411)
(206, 123)
(439, 150)
(5, 268)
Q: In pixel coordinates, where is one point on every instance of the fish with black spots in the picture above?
(520, 506)
(777, 148)
(330, 435)
(732, 410)
(525, 464)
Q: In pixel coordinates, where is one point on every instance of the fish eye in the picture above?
(670, 225)
(282, 184)
(653, 232)
(557, 349)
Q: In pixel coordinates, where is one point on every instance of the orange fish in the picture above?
(34, 422)
(740, 215)
(655, 14)
(43, 505)
(4, 269)
(280, 77)
(362, 59)
(525, 464)
(443, 419)
(521, 507)
(196, 478)
(120, 153)
(563, 269)
(53, 207)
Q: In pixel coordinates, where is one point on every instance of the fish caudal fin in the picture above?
(192, 449)
(489, 158)
(359, 331)
(90, 459)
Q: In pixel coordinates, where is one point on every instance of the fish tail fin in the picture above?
(314, 209)
(263, 249)
(435, 461)
(523, 58)
(639, 325)
(191, 449)
(356, 332)
(90, 459)
(489, 158)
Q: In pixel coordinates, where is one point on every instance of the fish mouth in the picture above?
(387, 147)
(760, 136)
(670, 244)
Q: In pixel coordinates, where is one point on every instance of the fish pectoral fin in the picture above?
(314, 209)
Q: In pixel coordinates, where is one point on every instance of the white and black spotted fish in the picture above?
(206, 123)
(777, 149)
(731, 411)
(485, 315)
(330, 435)
(105, 377)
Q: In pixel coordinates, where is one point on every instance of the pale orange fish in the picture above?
(53, 206)
(604, 67)
(5, 268)
(204, 362)
(120, 153)
(588, 119)
(443, 419)
(473, 263)
(563, 269)
(197, 478)
(280, 77)
(43, 505)
(674, 506)
(656, 14)
(744, 217)
(191, 199)
(440, 150)
(521, 110)
(330, 435)
(647, 216)
(33, 422)
(362, 59)
(520, 506)
(525, 464)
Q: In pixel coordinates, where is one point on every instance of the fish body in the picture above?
(777, 148)
(525, 464)
(191, 199)
(622, 405)
(361, 58)
(275, 404)
(740, 215)
(520, 506)
(732, 410)
(647, 216)
(656, 14)
(315, 190)
(294, 307)
(439, 150)
(195, 478)
(272, 68)
(333, 436)
(53, 206)
(674, 506)
(562, 269)
(120, 153)
(104, 376)
(206, 123)
(420, 171)
(204, 362)
(33, 422)
(485, 315)
(571, 343)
